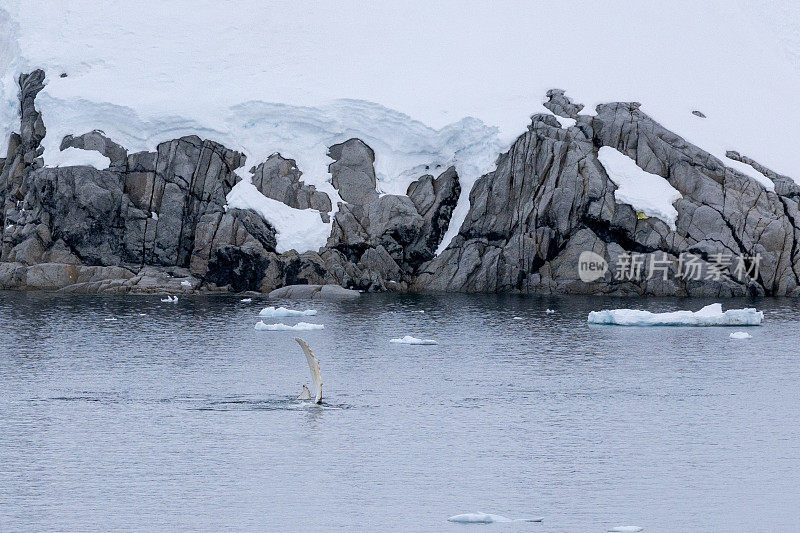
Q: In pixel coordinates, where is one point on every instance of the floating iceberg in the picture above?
(517, 318)
(485, 518)
(408, 339)
(246, 300)
(740, 335)
(170, 299)
(186, 283)
(549, 311)
(282, 311)
(626, 529)
(300, 326)
(710, 315)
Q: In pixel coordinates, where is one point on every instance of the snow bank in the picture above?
(740, 335)
(300, 326)
(645, 192)
(710, 315)
(486, 518)
(297, 229)
(408, 339)
(282, 311)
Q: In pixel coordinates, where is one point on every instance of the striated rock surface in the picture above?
(158, 221)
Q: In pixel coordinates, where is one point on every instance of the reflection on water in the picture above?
(129, 413)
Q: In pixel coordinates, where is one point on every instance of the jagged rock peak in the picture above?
(562, 105)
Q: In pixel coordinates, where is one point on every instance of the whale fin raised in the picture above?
(313, 366)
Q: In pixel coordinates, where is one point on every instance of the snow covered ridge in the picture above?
(710, 315)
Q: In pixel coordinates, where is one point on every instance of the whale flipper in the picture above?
(313, 366)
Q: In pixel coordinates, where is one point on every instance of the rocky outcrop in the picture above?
(382, 242)
(352, 171)
(279, 178)
(317, 292)
(97, 141)
(550, 200)
(158, 221)
(560, 104)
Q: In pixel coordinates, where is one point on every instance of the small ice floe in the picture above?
(517, 318)
(408, 339)
(170, 299)
(710, 315)
(142, 314)
(186, 283)
(300, 326)
(154, 216)
(486, 518)
(282, 311)
(110, 319)
(246, 300)
(549, 311)
(626, 529)
(740, 335)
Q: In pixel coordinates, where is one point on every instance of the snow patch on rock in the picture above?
(645, 192)
(296, 229)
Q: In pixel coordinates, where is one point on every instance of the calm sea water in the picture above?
(125, 413)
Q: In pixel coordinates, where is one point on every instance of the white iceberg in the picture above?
(300, 326)
(170, 299)
(246, 300)
(186, 283)
(740, 335)
(486, 518)
(282, 311)
(517, 318)
(626, 529)
(710, 315)
(408, 339)
(549, 311)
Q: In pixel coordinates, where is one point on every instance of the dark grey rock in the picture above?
(562, 105)
(321, 292)
(352, 171)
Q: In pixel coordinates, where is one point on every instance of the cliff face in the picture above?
(153, 219)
